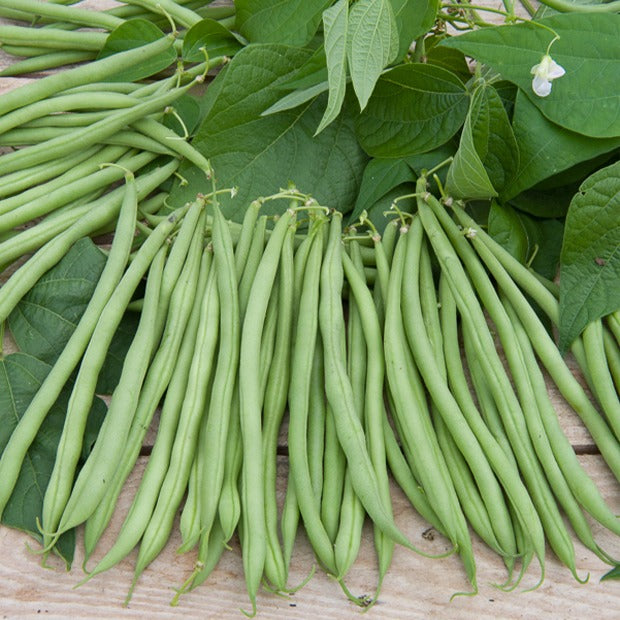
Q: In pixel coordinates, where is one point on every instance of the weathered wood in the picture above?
(415, 587)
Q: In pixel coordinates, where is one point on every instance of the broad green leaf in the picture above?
(21, 376)
(296, 98)
(506, 227)
(414, 108)
(261, 154)
(45, 318)
(530, 240)
(372, 44)
(414, 18)
(545, 203)
(335, 25)
(586, 99)
(312, 72)
(493, 136)
(135, 33)
(590, 259)
(487, 154)
(187, 109)
(445, 57)
(211, 36)
(380, 177)
(293, 22)
(546, 148)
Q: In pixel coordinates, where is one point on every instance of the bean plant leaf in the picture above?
(212, 37)
(21, 376)
(372, 44)
(380, 177)
(546, 148)
(335, 26)
(293, 22)
(586, 99)
(530, 240)
(261, 154)
(414, 108)
(414, 18)
(45, 318)
(590, 259)
(297, 98)
(135, 33)
(186, 115)
(487, 154)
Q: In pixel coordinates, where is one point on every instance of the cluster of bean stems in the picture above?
(50, 35)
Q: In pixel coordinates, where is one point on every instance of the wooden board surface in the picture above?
(415, 587)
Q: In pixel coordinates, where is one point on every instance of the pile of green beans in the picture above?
(245, 326)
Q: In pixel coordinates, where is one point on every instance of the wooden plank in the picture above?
(415, 587)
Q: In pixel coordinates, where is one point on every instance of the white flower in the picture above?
(544, 73)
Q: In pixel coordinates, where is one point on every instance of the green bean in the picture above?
(189, 523)
(339, 392)
(86, 136)
(25, 431)
(334, 462)
(70, 444)
(18, 181)
(96, 180)
(179, 343)
(544, 346)
(349, 533)
(81, 17)
(255, 252)
(106, 154)
(573, 474)
(229, 505)
(433, 372)
(417, 435)
(613, 357)
(613, 322)
(601, 379)
(63, 103)
(44, 62)
(174, 484)
(55, 122)
(94, 476)
(167, 137)
(252, 478)
(374, 406)
(242, 248)
(299, 389)
(317, 414)
(219, 407)
(184, 16)
(513, 412)
(55, 237)
(177, 291)
(54, 38)
(92, 72)
(274, 406)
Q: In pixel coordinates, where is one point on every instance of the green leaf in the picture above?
(590, 259)
(546, 148)
(586, 99)
(215, 38)
(506, 227)
(545, 203)
(296, 98)
(414, 18)
(372, 44)
(261, 154)
(487, 154)
(293, 22)
(614, 573)
(135, 33)
(380, 177)
(335, 24)
(188, 109)
(21, 376)
(414, 108)
(446, 57)
(312, 72)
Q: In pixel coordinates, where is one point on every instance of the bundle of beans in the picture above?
(244, 326)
